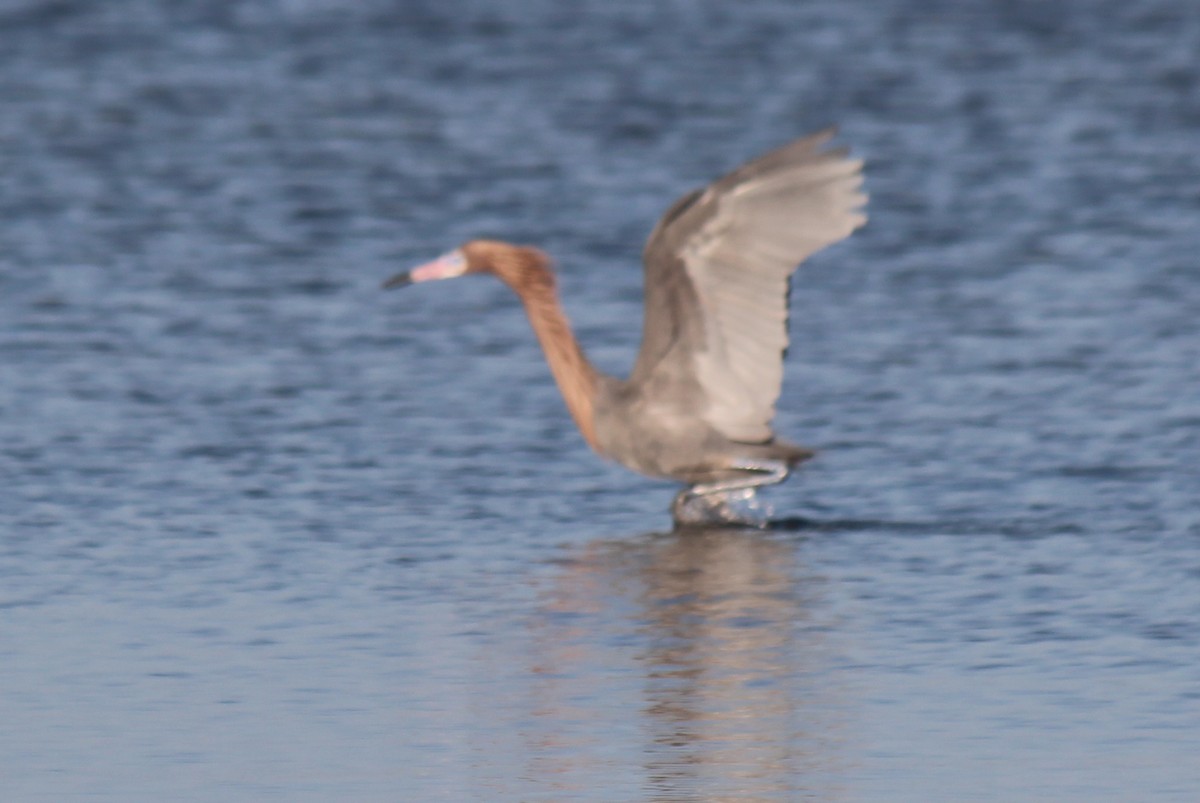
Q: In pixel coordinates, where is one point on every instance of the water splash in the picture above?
(741, 508)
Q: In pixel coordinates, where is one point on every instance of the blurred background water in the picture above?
(269, 534)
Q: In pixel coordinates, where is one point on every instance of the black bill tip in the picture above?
(399, 280)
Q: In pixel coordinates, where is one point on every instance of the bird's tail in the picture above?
(791, 453)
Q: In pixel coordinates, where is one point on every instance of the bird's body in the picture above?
(698, 405)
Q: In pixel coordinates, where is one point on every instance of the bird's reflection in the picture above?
(700, 651)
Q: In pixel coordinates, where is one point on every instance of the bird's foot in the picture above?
(735, 508)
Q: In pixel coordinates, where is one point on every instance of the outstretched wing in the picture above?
(717, 269)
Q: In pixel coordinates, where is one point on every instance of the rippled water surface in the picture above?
(270, 534)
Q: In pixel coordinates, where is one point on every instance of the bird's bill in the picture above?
(447, 266)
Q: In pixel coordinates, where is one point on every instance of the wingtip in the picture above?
(828, 132)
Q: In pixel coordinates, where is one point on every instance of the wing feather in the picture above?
(717, 272)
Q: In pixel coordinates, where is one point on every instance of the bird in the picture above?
(697, 408)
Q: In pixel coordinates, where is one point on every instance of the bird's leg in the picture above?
(761, 472)
(711, 495)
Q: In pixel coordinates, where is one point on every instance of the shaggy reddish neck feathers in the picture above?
(527, 272)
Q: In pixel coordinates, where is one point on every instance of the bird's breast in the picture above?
(653, 439)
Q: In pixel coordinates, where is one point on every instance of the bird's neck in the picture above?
(577, 379)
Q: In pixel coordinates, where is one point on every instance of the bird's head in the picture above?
(515, 265)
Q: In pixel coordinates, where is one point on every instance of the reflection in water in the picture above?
(697, 654)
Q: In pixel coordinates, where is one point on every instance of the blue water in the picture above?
(267, 533)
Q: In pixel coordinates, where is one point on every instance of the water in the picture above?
(269, 534)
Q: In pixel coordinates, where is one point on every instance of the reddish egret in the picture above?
(698, 406)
